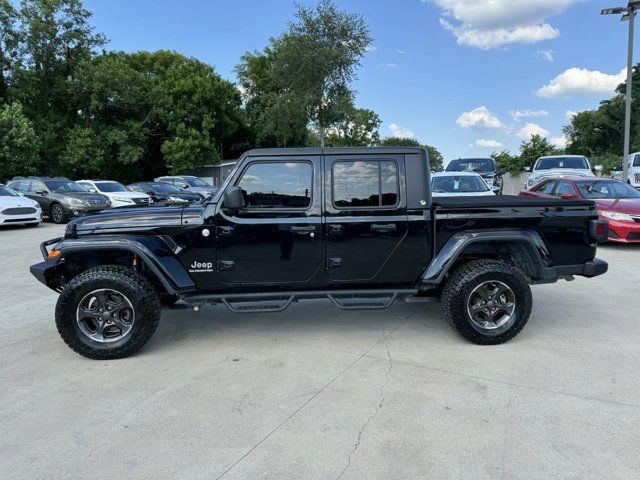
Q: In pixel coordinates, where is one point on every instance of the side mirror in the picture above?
(150, 193)
(501, 171)
(598, 168)
(233, 198)
(566, 196)
(41, 192)
(617, 167)
(495, 189)
(527, 169)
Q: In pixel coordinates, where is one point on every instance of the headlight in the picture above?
(122, 199)
(489, 181)
(532, 181)
(616, 216)
(75, 202)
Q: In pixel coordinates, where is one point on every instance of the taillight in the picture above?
(599, 230)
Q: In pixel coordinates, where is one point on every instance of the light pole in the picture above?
(628, 13)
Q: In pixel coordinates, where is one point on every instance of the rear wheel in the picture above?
(486, 301)
(57, 214)
(107, 312)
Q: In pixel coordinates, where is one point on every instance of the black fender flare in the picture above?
(448, 254)
(155, 253)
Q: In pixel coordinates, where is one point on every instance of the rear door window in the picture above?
(365, 184)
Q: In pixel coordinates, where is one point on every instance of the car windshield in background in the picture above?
(471, 165)
(164, 188)
(111, 187)
(608, 189)
(7, 192)
(458, 184)
(562, 162)
(196, 182)
(63, 186)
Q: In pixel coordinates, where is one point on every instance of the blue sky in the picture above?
(467, 76)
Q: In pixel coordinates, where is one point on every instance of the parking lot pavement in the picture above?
(318, 393)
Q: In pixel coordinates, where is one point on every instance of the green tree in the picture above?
(144, 114)
(504, 159)
(601, 131)
(360, 128)
(303, 77)
(533, 149)
(9, 42)
(18, 143)
(435, 157)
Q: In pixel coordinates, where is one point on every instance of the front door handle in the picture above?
(306, 229)
(383, 227)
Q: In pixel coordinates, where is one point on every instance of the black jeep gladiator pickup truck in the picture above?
(356, 226)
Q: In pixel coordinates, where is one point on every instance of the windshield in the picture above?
(7, 192)
(111, 187)
(562, 162)
(471, 165)
(164, 188)
(63, 186)
(608, 189)
(458, 184)
(195, 182)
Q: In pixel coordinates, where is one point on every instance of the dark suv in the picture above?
(485, 167)
(60, 198)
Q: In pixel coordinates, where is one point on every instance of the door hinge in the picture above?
(226, 265)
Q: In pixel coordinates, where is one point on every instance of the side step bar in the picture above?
(262, 302)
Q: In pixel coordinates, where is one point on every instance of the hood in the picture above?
(18, 201)
(621, 205)
(136, 218)
(86, 196)
(561, 172)
(127, 194)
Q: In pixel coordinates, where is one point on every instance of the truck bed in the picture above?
(506, 201)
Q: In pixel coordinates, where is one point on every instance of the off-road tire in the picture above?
(57, 214)
(459, 287)
(138, 291)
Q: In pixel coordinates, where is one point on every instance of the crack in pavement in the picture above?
(356, 446)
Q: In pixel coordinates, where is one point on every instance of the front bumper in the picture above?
(624, 232)
(589, 269)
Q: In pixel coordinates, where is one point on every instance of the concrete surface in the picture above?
(317, 393)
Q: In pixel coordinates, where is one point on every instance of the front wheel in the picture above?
(486, 301)
(57, 214)
(107, 312)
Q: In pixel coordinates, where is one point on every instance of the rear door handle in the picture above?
(306, 229)
(383, 227)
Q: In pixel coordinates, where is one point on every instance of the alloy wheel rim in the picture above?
(105, 315)
(56, 213)
(491, 306)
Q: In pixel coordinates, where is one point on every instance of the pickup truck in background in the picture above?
(356, 226)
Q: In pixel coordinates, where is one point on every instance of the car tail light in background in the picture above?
(599, 230)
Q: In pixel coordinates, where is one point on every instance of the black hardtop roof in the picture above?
(281, 152)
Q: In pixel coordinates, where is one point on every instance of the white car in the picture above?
(18, 210)
(460, 184)
(119, 195)
(559, 166)
(633, 178)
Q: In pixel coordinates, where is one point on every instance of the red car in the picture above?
(617, 202)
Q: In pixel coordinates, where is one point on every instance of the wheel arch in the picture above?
(522, 248)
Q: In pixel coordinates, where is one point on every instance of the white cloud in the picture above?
(576, 81)
(531, 129)
(548, 55)
(401, 132)
(490, 24)
(559, 142)
(572, 113)
(400, 51)
(371, 48)
(518, 114)
(479, 117)
(484, 143)
(388, 65)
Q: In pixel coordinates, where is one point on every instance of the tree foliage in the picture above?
(530, 151)
(18, 142)
(359, 128)
(601, 131)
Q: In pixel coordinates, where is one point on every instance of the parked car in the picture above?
(460, 184)
(617, 202)
(16, 209)
(119, 195)
(356, 226)
(485, 167)
(165, 193)
(60, 198)
(633, 177)
(559, 166)
(189, 183)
